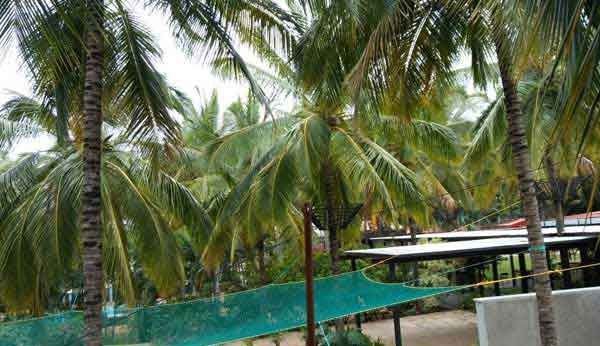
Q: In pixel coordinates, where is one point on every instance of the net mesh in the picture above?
(247, 314)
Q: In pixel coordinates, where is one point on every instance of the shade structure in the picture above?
(252, 313)
(464, 248)
(590, 230)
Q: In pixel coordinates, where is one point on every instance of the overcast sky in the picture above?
(183, 72)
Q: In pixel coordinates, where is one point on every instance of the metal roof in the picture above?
(466, 248)
(497, 233)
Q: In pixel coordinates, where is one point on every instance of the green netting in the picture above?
(267, 310)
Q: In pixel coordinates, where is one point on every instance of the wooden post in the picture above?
(523, 271)
(308, 273)
(585, 259)
(512, 270)
(370, 243)
(496, 277)
(549, 261)
(356, 316)
(565, 263)
(480, 278)
(395, 312)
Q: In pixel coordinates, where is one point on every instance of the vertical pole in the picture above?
(141, 332)
(585, 259)
(565, 263)
(523, 271)
(549, 261)
(512, 270)
(308, 272)
(356, 316)
(496, 277)
(481, 277)
(395, 312)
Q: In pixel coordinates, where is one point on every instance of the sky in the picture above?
(188, 74)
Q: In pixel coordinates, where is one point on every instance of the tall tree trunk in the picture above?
(331, 212)
(332, 227)
(556, 190)
(91, 227)
(522, 164)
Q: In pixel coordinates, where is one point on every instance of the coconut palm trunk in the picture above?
(556, 191)
(332, 227)
(91, 227)
(331, 206)
(521, 162)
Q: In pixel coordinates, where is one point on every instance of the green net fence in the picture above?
(247, 314)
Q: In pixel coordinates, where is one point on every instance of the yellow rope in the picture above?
(555, 271)
(378, 263)
(489, 215)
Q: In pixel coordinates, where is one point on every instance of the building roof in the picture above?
(573, 219)
(466, 248)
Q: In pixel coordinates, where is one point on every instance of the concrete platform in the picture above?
(450, 328)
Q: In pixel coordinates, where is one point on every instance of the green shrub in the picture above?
(348, 338)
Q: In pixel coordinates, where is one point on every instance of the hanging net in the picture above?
(247, 314)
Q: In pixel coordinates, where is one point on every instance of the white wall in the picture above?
(512, 320)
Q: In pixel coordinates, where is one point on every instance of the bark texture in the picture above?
(522, 164)
(332, 228)
(331, 208)
(91, 226)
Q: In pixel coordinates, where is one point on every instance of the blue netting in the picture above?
(263, 311)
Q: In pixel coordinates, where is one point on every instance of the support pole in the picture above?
(585, 259)
(550, 267)
(512, 270)
(565, 263)
(480, 278)
(523, 270)
(356, 316)
(308, 272)
(496, 277)
(395, 312)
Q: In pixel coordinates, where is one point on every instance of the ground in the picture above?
(450, 328)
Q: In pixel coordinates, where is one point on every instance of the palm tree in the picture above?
(201, 25)
(210, 179)
(143, 206)
(489, 147)
(391, 50)
(91, 202)
(522, 164)
(292, 170)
